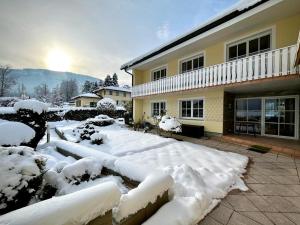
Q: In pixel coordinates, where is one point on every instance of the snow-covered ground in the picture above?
(202, 175)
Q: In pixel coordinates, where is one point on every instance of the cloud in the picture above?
(163, 31)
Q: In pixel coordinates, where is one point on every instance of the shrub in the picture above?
(101, 120)
(21, 172)
(170, 124)
(106, 104)
(98, 138)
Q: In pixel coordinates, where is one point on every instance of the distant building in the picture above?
(121, 95)
(86, 100)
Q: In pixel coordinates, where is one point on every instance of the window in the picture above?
(124, 94)
(110, 93)
(104, 92)
(190, 64)
(117, 93)
(117, 102)
(93, 104)
(159, 74)
(250, 46)
(158, 108)
(78, 103)
(191, 108)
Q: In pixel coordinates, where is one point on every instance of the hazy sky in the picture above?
(96, 35)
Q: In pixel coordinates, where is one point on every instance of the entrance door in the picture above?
(280, 116)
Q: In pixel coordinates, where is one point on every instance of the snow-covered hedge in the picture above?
(15, 134)
(75, 208)
(101, 120)
(153, 186)
(21, 176)
(170, 124)
(32, 105)
(107, 104)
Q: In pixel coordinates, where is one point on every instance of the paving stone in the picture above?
(282, 204)
(285, 179)
(221, 214)
(258, 217)
(238, 219)
(241, 203)
(279, 219)
(295, 201)
(273, 189)
(295, 188)
(282, 158)
(285, 164)
(263, 179)
(262, 204)
(209, 221)
(294, 217)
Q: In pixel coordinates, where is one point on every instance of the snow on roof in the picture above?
(115, 88)
(31, 104)
(67, 209)
(239, 6)
(87, 95)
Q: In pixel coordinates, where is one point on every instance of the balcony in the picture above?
(274, 63)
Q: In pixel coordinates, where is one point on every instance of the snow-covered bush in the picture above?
(21, 172)
(100, 120)
(15, 134)
(98, 138)
(8, 101)
(61, 177)
(106, 104)
(84, 131)
(170, 124)
(34, 114)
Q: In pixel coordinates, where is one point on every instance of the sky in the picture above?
(94, 37)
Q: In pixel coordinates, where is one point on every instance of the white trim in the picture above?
(262, 122)
(190, 56)
(165, 66)
(245, 38)
(209, 32)
(191, 99)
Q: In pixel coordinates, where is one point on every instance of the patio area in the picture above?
(274, 191)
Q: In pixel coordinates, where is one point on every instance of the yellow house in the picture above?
(86, 100)
(233, 74)
(121, 95)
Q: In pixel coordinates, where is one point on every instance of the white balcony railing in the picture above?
(278, 62)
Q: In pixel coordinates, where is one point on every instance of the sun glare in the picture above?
(58, 60)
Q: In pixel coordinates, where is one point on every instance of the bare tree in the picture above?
(6, 81)
(42, 93)
(68, 89)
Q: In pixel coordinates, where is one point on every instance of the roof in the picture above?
(114, 88)
(86, 95)
(238, 9)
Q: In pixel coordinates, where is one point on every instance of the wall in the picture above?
(213, 108)
(85, 102)
(120, 98)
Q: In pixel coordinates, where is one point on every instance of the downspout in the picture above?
(131, 87)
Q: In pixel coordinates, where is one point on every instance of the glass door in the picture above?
(280, 116)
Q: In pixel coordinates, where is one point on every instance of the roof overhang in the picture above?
(226, 27)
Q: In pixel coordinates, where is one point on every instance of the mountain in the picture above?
(34, 77)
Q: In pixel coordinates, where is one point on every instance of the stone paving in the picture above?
(274, 191)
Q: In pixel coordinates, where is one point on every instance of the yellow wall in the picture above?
(213, 108)
(85, 102)
(121, 99)
(286, 33)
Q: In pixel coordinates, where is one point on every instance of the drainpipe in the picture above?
(131, 87)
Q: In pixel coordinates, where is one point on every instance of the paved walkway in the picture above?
(274, 191)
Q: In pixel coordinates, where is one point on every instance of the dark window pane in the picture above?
(253, 128)
(188, 112)
(287, 130)
(163, 73)
(201, 62)
(241, 104)
(242, 50)
(232, 52)
(272, 116)
(200, 103)
(271, 128)
(241, 116)
(271, 104)
(189, 65)
(287, 117)
(183, 104)
(196, 63)
(196, 104)
(183, 67)
(253, 46)
(254, 116)
(287, 104)
(195, 113)
(265, 43)
(254, 104)
(188, 104)
(201, 113)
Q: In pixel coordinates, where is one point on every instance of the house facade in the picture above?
(86, 100)
(122, 96)
(234, 74)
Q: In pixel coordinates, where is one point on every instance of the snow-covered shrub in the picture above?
(21, 172)
(8, 101)
(101, 120)
(61, 177)
(15, 134)
(80, 113)
(106, 104)
(84, 131)
(34, 114)
(98, 138)
(171, 124)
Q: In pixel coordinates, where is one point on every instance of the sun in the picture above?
(58, 60)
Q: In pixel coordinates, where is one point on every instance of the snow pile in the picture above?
(171, 124)
(20, 175)
(98, 138)
(31, 104)
(153, 186)
(76, 208)
(244, 4)
(107, 104)
(100, 120)
(7, 110)
(15, 133)
(87, 95)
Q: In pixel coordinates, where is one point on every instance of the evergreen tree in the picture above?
(115, 80)
(86, 87)
(108, 81)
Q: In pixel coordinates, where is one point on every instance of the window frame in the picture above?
(192, 108)
(164, 67)
(159, 108)
(247, 41)
(191, 58)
